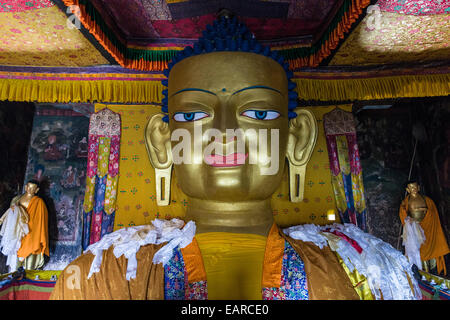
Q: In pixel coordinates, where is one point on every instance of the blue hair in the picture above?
(227, 34)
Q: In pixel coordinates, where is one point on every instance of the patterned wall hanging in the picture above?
(345, 166)
(102, 175)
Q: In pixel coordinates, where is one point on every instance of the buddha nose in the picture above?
(225, 120)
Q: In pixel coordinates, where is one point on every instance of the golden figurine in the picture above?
(423, 210)
(32, 212)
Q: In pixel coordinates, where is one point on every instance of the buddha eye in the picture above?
(261, 115)
(189, 116)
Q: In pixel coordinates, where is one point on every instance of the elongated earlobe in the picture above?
(157, 142)
(302, 139)
(163, 179)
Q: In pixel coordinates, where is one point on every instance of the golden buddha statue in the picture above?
(220, 103)
(32, 211)
(423, 210)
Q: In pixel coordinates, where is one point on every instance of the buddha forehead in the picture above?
(224, 73)
(31, 186)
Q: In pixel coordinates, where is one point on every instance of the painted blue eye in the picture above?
(261, 115)
(189, 116)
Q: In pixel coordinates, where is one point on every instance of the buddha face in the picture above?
(229, 113)
(413, 188)
(31, 188)
(222, 91)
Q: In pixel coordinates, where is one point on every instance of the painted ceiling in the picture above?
(35, 33)
(145, 34)
(148, 22)
(399, 32)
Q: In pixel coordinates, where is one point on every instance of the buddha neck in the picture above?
(253, 217)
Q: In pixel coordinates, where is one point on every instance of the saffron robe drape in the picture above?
(35, 244)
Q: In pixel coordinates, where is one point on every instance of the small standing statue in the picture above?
(421, 209)
(25, 230)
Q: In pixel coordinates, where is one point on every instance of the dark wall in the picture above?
(385, 144)
(386, 140)
(16, 121)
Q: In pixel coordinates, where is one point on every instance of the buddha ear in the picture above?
(157, 142)
(302, 139)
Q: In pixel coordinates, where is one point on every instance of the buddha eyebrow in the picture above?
(257, 87)
(193, 89)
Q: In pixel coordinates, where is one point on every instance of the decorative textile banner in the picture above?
(114, 84)
(345, 167)
(136, 199)
(87, 84)
(57, 158)
(326, 84)
(102, 176)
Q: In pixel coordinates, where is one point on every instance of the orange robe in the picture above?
(36, 241)
(435, 245)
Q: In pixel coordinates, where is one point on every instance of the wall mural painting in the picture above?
(57, 158)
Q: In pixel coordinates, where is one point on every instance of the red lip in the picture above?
(231, 160)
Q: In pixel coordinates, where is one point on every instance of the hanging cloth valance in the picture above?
(345, 166)
(102, 175)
